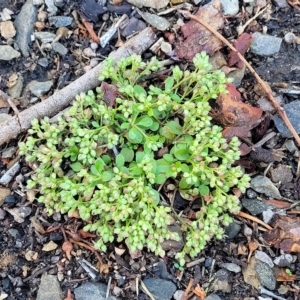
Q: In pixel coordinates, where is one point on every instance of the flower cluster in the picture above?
(105, 162)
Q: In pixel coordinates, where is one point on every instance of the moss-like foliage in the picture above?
(105, 162)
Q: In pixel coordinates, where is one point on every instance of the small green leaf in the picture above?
(174, 127)
(99, 164)
(106, 159)
(107, 176)
(182, 154)
(120, 160)
(204, 190)
(155, 193)
(135, 136)
(169, 83)
(95, 124)
(176, 98)
(167, 133)
(168, 157)
(136, 171)
(183, 184)
(76, 167)
(94, 171)
(184, 168)
(137, 89)
(139, 156)
(128, 154)
(144, 121)
(160, 179)
(125, 125)
(155, 90)
(162, 166)
(154, 126)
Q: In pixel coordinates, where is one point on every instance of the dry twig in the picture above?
(254, 219)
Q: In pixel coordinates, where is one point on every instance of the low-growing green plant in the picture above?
(105, 162)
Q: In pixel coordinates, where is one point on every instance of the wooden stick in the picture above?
(62, 98)
(280, 110)
(254, 219)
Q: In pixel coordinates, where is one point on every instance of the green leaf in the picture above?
(168, 157)
(183, 184)
(155, 90)
(169, 83)
(74, 150)
(204, 190)
(135, 136)
(128, 154)
(137, 89)
(76, 167)
(94, 171)
(174, 127)
(95, 124)
(144, 121)
(120, 160)
(107, 176)
(176, 98)
(185, 168)
(154, 126)
(136, 171)
(155, 193)
(125, 125)
(106, 159)
(182, 154)
(167, 133)
(139, 156)
(160, 179)
(162, 166)
(99, 164)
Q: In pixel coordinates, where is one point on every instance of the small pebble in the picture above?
(105, 17)
(94, 46)
(282, 289)
(43, 62)
(251, 194)
(231, 267)
(262, 256)
(60, 21)
(290, 146)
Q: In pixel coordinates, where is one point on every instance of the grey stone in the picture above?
(8, 152)
(264, 185)
(222, 281)
(134, 25)
(60, 21)
(45, 37)
(232, 230)
(43, 62)
(292, 110)
(24, 25)
(281, 3)
(160, 288)
(237, 76)
(267, 215)
(4, 118)
(38, 2)
(251, 194)
(13, 232)
(60, 49)
(231, 267)
(266, 275)
(283, 260)
(290, 146)
(281, 174)
(149, 3)
(38, 88)
(51, 8)
(8, 53)
(264, 44)
(16, 90)
(254, 206)
(266, 105)
(262, 256)
(212, 297)
(92, 291)
(230, 7)
(156, 21)
(49, 289)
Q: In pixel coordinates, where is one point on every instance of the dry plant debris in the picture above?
(196, 37)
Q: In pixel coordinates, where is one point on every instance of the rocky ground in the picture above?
(47, 44)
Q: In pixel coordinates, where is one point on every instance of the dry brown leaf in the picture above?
(3, 103)
(277, 203)
(196, 37)
(286, 233)
(110, 93)
(242, 44)
(253, 245)
(232, 113)
(242, 249)
(67, 247)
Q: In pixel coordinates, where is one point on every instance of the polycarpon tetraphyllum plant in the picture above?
(104, 161)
